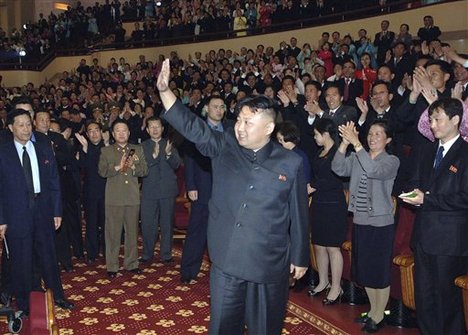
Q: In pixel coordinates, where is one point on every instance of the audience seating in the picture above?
(42, 314)
(462, 282)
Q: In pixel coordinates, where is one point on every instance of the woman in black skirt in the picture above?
(328, 213)
(372, 175)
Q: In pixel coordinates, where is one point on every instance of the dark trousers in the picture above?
(95, 219)
(195, 241)
(72, 207)
(62, 239)
(236, 303)
(439, 305)
(41, 241)
(157, 216)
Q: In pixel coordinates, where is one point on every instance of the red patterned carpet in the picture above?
(151, 303)
(156, 303)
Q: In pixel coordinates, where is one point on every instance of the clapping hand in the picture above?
(83, 141)
(168, 148)
(348, 133)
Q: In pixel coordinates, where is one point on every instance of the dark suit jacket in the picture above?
(299, 116)
(14, 197)
(342, 115)
(402, 66)
(258, 222)
(161, 181)
(355, 90)
(198, 170)
(441, 225)
(94, 185)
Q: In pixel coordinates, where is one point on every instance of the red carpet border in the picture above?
(152, 303)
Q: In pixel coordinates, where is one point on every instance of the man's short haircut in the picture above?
(450, 106)
(22, 100)
(334, 85)
(443, 65)
(41, 111)
(428, 17)
(381, 82)
(289, 131)
(399, 43)
(314, 83)
(119, 121)
(288, 77)
(16, 112)
(259, 104)
(385, 66)
(91, 122)
(154, 119)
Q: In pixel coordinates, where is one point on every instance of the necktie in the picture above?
(439, 157)
(346, 90)
(28, 172)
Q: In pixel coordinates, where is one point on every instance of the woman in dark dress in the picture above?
(328, 213)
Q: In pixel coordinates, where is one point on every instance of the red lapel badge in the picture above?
(46, 162)
(282, 177)
(453, 169)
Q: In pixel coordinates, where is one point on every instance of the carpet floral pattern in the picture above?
(154, 302)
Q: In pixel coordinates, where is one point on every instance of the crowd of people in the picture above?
(364, 109)
(82, 27)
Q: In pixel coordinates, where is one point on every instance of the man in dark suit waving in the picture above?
(30, 208)
(440, 235)
(258, 225)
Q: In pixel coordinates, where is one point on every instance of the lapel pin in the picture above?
(453, 169)
(282, 177)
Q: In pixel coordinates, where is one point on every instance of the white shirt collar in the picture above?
(447, 145)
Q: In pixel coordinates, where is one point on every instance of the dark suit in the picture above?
(342, 115)
(158, 199)
(355, 89)
(299, 116)
(93, 200)
(197, 178)
(383, 42)
(440, 240)
(257, 226)
(400, 67)
(30, 220)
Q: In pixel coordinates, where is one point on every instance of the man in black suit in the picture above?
(429, 32)
(30, 207)
(351, 86)
(94, 187)
(303, 114)
(257, 228)
(338, 112)
(440, 235)
(400, 62)
(383, 41)
(198, 182)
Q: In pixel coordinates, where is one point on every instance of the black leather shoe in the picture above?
(91, 261)
(313, 292)
(22, 314)
(111, 274)
(168, 261)
(68, 268)
(64, 303)
(135, 270)
(362, 319)
(371, 327)
(143, 260)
